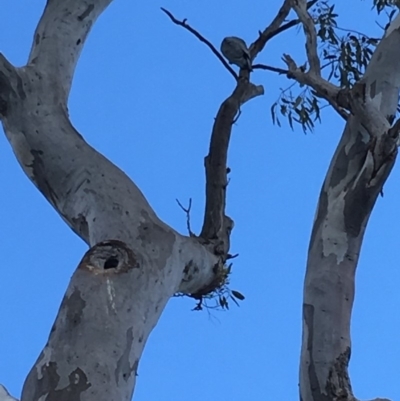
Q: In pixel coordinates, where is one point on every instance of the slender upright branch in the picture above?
(300, 7)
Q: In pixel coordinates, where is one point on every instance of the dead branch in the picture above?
(184, 24)
(270, 68)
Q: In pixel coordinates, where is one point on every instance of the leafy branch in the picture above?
(303, 109)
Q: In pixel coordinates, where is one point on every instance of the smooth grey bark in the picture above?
(360, 166)
(100, 203)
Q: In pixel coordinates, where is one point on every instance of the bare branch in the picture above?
(270, 68)
(202, 39)
(300, 6)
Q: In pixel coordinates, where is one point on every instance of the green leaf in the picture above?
(237, 295)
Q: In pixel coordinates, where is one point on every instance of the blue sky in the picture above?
(145, 94)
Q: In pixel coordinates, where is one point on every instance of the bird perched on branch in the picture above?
(236, 52)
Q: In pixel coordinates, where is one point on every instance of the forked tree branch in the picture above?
(217, 226)
(276, 27)
(272, 29)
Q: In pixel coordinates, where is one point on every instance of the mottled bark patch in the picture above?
(357, 207)
(86, 12)
(5, 93)
(39, 175)
(47, 386)
(340, 170)
(75, 305)
(372, 90)
(124, 368)
(320, 217)
(155, 240)
(308, 316)
(80, 226)
(338, 386)
(77, 384)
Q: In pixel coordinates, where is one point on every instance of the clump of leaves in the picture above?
(348, 58)
(346, 55)
(303, 108)
(381, 5)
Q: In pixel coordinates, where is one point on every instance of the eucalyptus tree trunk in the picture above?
(360, 166)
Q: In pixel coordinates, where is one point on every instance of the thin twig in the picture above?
(237, 118)
(229, 256)
(187, 211)
(184, 24)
